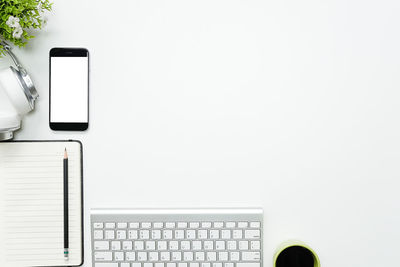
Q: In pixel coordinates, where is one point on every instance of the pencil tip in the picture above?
(65, 153)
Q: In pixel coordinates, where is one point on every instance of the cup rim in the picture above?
(293, 243)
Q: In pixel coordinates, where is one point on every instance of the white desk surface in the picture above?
(288, 105)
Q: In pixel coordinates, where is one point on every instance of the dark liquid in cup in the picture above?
(295, 256)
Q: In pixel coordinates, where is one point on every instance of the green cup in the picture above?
(290, 250)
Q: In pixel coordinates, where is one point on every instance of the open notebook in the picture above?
(31, 203)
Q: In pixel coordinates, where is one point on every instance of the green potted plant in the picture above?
(18, 18)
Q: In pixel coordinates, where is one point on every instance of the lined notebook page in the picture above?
(31, 178)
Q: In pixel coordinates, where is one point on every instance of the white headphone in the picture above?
(17, 96)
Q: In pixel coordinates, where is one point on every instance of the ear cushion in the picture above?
(9, 122)
(13, 88)
(9, 119)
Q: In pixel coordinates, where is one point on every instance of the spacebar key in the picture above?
(106, 264)
(246, 264)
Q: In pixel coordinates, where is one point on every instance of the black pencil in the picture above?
(66, 216)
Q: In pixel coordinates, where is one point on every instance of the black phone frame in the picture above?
(68, 52)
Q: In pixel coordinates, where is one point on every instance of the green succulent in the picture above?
(18, 18)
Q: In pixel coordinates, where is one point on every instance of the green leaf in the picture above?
(29, 18)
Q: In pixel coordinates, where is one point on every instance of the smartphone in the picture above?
(69, 89)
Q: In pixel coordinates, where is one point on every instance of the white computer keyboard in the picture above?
(177, 237)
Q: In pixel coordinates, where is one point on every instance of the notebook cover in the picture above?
(82, 209)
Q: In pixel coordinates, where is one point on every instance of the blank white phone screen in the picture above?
(69, 89)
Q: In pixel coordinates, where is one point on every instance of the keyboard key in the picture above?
(223, 256)
(252, 234)
(230, 224)
(217, 264)
(214, 234)
(218, 224)
(144, 234)
(199, 256)
(251, 256)
(121, 234)
(226, 234)
(234, 256)
(220, 245)
(98, 234)
(165, 256)
(237, 234)
(167, 234)
(255, 224)
(194, 225)
(115, 245)
(188, 256)
(130, 256)
(110, 234)
(170, 225)
(206, 224)
(176, 256)
(190, 234)
(98, 225)
(142, 256)
(182, 225)
(101, 245)
(136, 264)
(202, 234)
(118, 256)
(108, 264)
(162, 245)
(159, 264)
(127, 245)
(125, 264)
(156, 234)
(185, 245)
(134, 225)
(146, 225)
(122, 225)
(139, 245)
(229, 264)
(110, 225)
(102, 256)
(208, 245)
(231, 245)
(150, 245)
(182, 264)
(173, 245)
(153, 256)
(132, 234)
(242, 224)
(205, 264)
(248, 264)
(196, 245)
(158, 225)
(254, 245)
(147, 264)
(243, 245)
(194, 264)
(171, 264)
(211, 256)
(179, 234)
